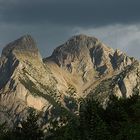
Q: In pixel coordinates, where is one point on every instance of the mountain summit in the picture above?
(90, 51)
(21, 45)
(88, 60)
(80, 68)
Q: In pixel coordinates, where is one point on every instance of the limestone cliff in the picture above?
(82, 67)
(88, 60)
(24, 81)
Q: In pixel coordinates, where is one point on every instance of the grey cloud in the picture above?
(51, 22)
(71, 12)
(47, 36)
(123, 37)
(133, 49)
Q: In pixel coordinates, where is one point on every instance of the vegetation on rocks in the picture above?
(120, 120)
(83, 67)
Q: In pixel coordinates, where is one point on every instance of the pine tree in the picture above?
(30, 129)
(91, 118)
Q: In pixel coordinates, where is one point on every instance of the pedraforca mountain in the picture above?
(24, 44)
(88, 61)
(89, 52)
(82, 67)
(25, 81)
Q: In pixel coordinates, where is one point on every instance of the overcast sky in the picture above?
(52, 22)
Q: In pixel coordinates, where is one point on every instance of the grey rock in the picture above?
(80, 68)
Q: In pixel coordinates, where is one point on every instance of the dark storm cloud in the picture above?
(52, 22)
(70, 12)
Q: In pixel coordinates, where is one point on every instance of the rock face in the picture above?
(24, 44)
(80, 49)
(89, 52)
(89, 60)
(24, 81)
(81, 67)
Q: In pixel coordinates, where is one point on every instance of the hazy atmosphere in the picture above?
(52, 22)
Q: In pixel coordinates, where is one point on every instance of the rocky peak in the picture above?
(82, 48)
(16, 56)
(75, 48)
(80, 67)
(76, 43)
(23, 44)
(81, 40)
(88, 58)
(120, 60)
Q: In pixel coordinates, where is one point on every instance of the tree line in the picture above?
(119, 120)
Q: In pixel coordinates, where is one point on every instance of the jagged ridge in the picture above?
(78, 68)
(25, 43)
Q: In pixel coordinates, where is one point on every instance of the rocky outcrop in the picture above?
(123, 84)
(24, 81)
(83, 54)
(89, 60)
(80, 68)
(120, 60)
(24, 44)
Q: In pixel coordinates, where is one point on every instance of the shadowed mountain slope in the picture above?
(82, 67)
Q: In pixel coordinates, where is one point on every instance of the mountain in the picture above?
(24, 79)
(80, 68)
(87, 62)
